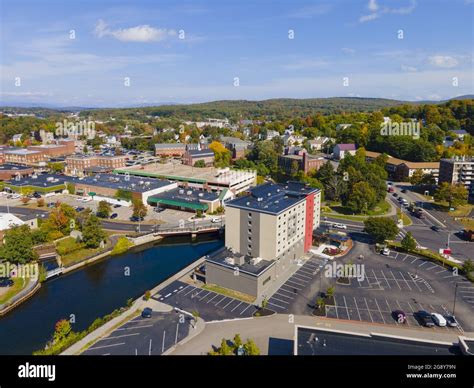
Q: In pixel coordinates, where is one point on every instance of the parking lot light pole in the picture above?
(455, 295)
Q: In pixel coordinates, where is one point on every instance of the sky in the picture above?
(105, 53)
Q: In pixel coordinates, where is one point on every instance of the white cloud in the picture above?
(348, 50)
(443, 61)
(376, 11)
(141, 33)
(373, 6)
(408, 68)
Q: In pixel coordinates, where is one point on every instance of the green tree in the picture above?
(330, 291)
(104, 209)
(92, 233)
(200, 163)
(381, 228)
(417, 178)
(56, 167)
(61, 330)
(124, 194)
(18, 245)
(455, 195)
(237, 341)
(408, 242)
(362, 197)
(251, 348)
(139, 209)
(225, 349)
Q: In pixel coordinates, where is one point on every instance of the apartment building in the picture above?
(80, 164)
(458, 170)
(301, 162)
(24, 157)
(265, 231)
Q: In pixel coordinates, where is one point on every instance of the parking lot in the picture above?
(144, 336)
(379, 309)
(437, 272)
(210, 305)
(282, 299)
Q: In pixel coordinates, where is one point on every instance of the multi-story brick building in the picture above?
(265, 231)
(190, 157)
(300, 162)
(82, 164)
(24, 157)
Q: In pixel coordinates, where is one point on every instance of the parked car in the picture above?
(404, 190)
(117, 206)
(79, 209)
(385, 252)
(395, 195)
(399, 316)
(158, 209)
(438, 319)
(113, 216)
(6, 282)
(451, 321)
(339, 226)
(424, 318)
(215, 220)
(147, 312)
(136, 219)
(51, 204)
(435, 228)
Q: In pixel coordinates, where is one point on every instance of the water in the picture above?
(93, 292)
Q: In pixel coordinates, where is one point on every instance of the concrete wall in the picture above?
(232, 228)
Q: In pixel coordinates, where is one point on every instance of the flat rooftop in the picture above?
(322, 342)
(13, 167)
(40, 180)
(229, 259)
(185, 197)
(181, 172)
(114, 181)
(273, 198)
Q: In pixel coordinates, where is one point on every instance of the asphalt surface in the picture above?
(210, 305)
(144, 336)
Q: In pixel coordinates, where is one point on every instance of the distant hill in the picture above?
(271, 109)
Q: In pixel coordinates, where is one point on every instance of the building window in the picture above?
(266, 280)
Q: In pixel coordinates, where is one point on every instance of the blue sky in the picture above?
(178, 51)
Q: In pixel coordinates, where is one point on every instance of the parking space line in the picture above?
(245, 309)
(208, 293)
(345, 304)
(183, 289)
(396, 255)
(405, 281)
(214, 297)
(383, 319)
(290, 281)
(422, 263)
(304, 281)
(107, 346)
(335, 308)
(443, 270)
(231, 300)
(225, 297)
(370, 315)
(132, 328)
(291, 291)
(303, 276)
(192, 289)
(415, 259)
(279, 300)
(119, 336)
(283, 295)
(274, 304)
(386, 280)
(376, 279)
(357, 308)
(393, 276)
(281, 289)
(236, 306)
(433, 267)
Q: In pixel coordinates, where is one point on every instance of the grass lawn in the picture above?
(72, 252)
(468, 223)
(342, 212)
(227, 292)
(19, 284)
(406, 220)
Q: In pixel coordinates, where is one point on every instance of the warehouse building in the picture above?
(188, 199)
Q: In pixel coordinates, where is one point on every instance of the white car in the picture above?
(385, 251)
(214, 220)
(339, 226)
(438, 319)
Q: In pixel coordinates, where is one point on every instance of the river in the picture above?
(93, 292)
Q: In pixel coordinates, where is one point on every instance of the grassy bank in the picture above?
(18, 285)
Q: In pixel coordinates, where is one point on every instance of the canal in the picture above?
(93, 292)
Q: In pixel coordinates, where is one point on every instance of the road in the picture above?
(111, 225)
(421, 228)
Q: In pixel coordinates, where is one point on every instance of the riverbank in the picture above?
(96, 290)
